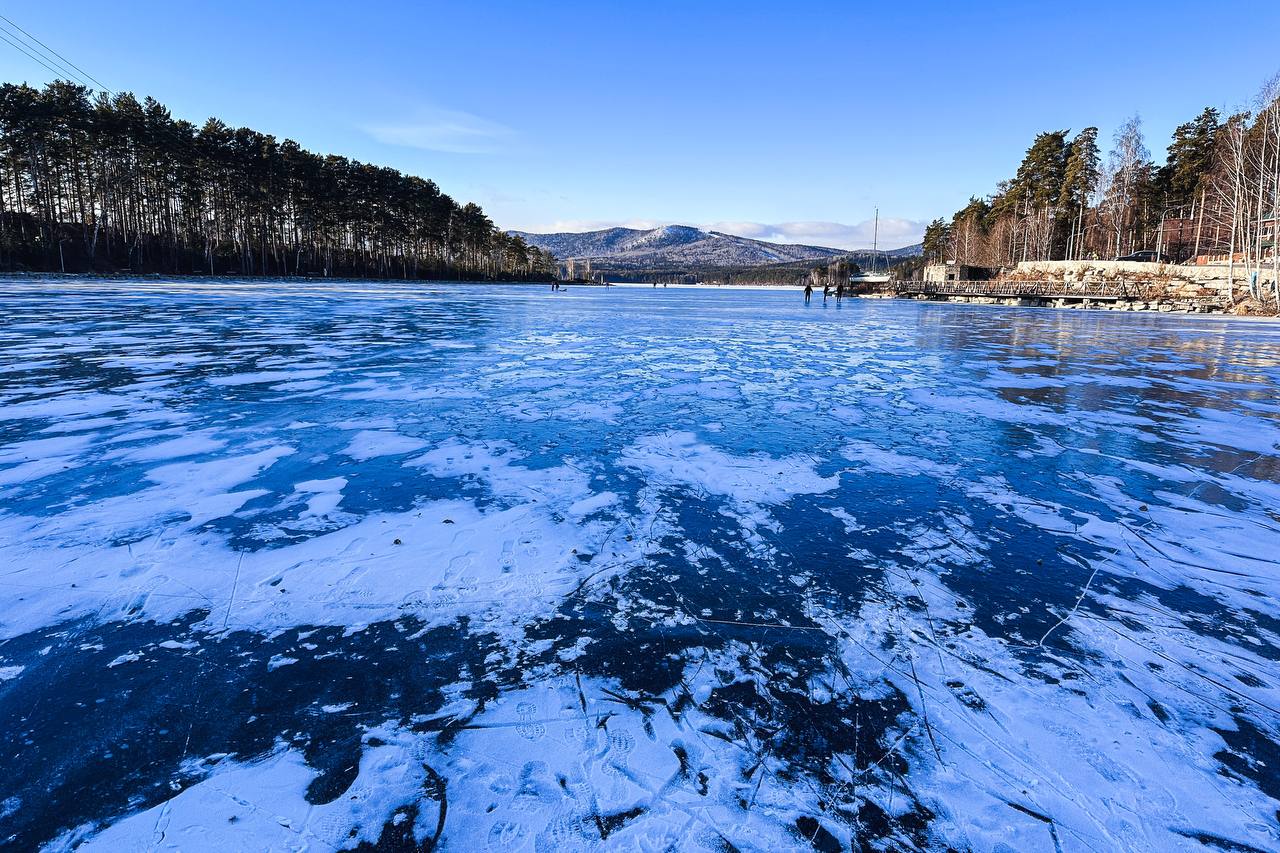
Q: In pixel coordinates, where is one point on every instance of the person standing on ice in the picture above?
(808, 293)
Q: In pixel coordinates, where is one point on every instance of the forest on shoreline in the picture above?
(1217, 195)
(93, 182)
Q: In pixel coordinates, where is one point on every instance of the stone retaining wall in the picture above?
(1161, 281)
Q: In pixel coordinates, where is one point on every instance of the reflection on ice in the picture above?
(361, 564)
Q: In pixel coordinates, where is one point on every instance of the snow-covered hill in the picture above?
(672, 247)
(915, 250)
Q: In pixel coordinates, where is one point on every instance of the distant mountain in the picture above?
(672, 247)
(915, 250)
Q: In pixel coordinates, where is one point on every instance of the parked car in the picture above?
(1146, 256)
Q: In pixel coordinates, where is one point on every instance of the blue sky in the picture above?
(787, 121)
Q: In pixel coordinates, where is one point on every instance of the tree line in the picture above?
(100, 182)
(1216, 195)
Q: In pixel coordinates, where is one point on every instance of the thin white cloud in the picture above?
(895, 232)
(450, 131)
(576, 226)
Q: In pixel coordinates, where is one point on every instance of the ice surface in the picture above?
(310, 567)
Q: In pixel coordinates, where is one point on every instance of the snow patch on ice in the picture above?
(757, 479)
(370, 444)
(261, 806)
(265, 376)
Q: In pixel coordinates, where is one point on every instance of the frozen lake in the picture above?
(291, 566)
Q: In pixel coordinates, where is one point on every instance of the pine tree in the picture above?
(1079, 182)
(1190, 158)
(1030, 200)
(935, 244)
(970, 234)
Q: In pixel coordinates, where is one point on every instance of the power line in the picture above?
(167, 130)
(34, 53)
(59, 72)
(23, 51)
(65, 65)
(53, 53)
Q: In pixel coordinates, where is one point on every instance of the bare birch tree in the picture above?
(1126, 165)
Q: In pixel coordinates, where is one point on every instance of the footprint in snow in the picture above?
(529, 728)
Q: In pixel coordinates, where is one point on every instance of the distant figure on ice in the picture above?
(839, 291)
(808, 293)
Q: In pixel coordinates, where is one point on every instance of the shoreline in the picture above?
(1080, 309)
(196, 277)
(198, 283)
(155, 278)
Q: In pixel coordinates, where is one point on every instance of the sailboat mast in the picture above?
(875, 244)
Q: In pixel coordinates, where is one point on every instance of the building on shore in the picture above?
(958, 272)
(1186, 241)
